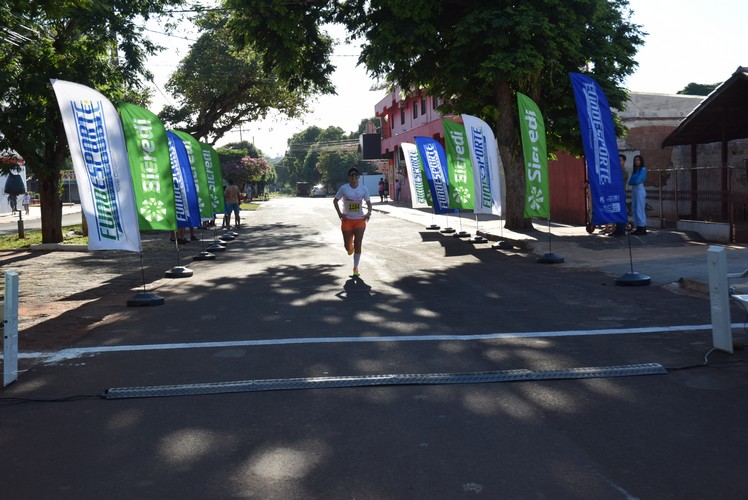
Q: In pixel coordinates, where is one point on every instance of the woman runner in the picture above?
(352, 216)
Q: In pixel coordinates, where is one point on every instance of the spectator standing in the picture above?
(639, 195)
(620, 228)
(26, 201)
(231, 194)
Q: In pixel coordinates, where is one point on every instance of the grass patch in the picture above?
(71, 235)
(249, 206)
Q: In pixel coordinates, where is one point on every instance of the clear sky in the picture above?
(688, 41)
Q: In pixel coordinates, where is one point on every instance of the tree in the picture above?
(243, 163)
(305, 148)
(219, 86)
(476, 56)
(362, 127)
(699, 88)
(299, 146)
(289, 39)
(333, 166)
(96, 43)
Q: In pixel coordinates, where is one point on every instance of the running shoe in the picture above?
(355, 272)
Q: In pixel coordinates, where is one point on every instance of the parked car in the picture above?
(319, 190)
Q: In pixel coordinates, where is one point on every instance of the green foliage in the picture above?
(699, 88)
(243, 163)
(289, 38)
(72, 235)
(299, 146)
(220, 86)
(362, 127)
(473, 55)
(97, 43)
(238, 150)
(306, 161)
(333, 166)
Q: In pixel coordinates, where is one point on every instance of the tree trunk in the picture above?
(51, 207)
(84, 224)
(508, 138)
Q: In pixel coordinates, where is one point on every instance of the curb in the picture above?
(693, 285)
(516, 243)
(59, 247)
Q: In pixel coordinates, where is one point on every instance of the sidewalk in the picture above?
(35, 213)
(668, 257)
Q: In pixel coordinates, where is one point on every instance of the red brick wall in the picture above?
(566, 178)
(648, 140)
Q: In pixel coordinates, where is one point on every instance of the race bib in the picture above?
(354, 206)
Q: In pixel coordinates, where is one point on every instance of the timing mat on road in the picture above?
(285, 384)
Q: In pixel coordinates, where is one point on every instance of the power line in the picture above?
(170, 35)
(199, 9)
(342, 145)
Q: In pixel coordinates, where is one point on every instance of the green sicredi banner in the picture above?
(537, 196)
(459, 166)
(150, 168)
(214, 176)
(197, 165)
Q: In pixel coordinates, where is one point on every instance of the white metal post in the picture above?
(10, 328)
(719, 298)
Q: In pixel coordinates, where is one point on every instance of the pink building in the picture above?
(403, 119)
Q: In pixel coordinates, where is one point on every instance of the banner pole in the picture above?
(550, 257)
(178, 271)
(216, 245)
(461, 233)
(502, 244)
(477, 238)
(142, 270)
(144, 298)
(448, 229)
(433, 225)
(632, 278)
(204, 254)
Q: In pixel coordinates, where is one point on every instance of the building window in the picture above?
(402, 116)
(423, 105)
(435, 103)
(415, 109)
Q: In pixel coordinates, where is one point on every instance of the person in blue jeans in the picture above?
(620, 227)
(639, 195)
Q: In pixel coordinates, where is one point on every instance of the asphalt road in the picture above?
(279, 304)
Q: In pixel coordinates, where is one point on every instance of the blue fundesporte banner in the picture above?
(185, 194)
(434, 161)
(607, 192)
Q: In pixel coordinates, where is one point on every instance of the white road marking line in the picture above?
(73, 353)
